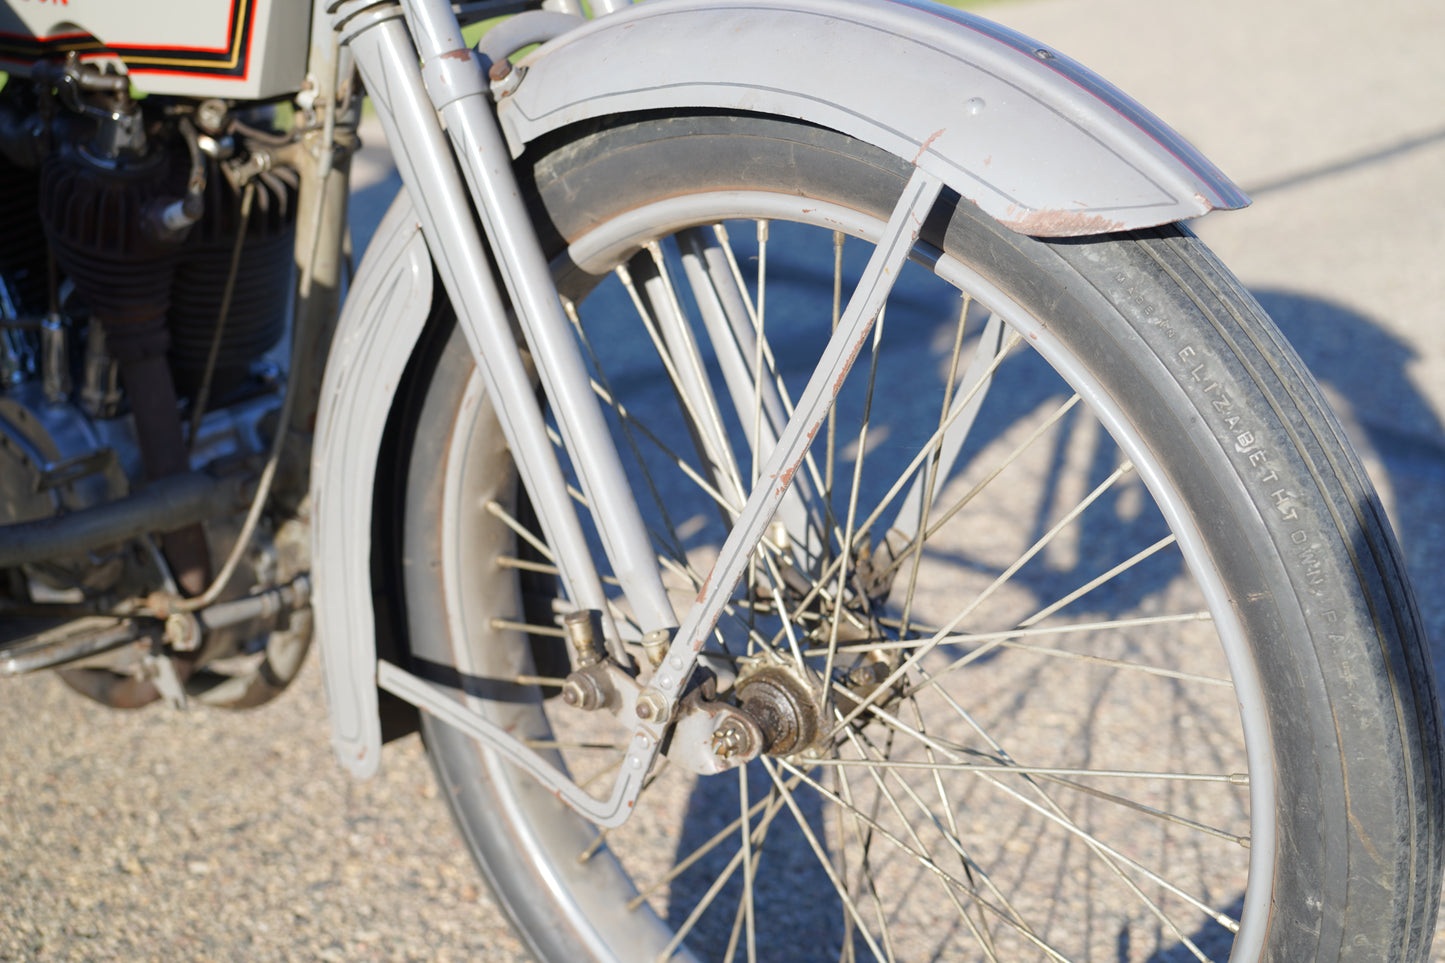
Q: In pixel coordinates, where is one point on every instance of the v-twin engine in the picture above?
(144, 297)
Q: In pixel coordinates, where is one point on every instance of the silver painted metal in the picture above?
(523, 30)
(1130, 171)
(966, 100)
(968, 399)
(710, 737)
(383, 52)
(440, 703)
(458, 97)
(823, 385)
(599, 7)
(389, 66)
(351, 424)
(384, 315)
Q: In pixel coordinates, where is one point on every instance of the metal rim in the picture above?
(628, 233)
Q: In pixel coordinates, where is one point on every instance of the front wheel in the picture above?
(1091, 639)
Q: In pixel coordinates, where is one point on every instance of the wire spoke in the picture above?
(818, 851)
(1053, 812)
(1011, 768)
(917, 656)
(923, 859)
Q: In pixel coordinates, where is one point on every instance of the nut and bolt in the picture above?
(505, 78)
(584, 640)
(581, 691)
(655, 644)
(731, 738)
(651, 707)
(869, 673)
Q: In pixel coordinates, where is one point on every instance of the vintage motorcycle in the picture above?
(798, 510)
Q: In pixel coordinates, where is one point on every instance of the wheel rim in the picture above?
(971, 879)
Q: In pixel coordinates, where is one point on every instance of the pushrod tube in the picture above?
(453, 78)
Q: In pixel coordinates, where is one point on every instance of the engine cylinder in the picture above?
(96, 215)
(257, 315)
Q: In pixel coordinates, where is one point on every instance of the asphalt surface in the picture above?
(212, 836)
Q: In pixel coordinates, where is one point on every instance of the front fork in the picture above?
(449, 88)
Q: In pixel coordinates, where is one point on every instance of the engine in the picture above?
(144, 294)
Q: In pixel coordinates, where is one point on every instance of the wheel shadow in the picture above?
(1365, 373)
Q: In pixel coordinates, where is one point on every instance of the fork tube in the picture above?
(453, 78)
(388, 64)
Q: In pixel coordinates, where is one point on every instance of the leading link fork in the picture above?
(453, 87)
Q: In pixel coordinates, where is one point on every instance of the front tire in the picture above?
(1152, 427)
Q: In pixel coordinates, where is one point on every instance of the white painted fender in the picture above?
(1036, 140)
(384, 315)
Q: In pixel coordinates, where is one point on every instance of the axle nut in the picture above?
(732, 738)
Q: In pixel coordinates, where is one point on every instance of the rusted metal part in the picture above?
(784, 706)
(1058, 223)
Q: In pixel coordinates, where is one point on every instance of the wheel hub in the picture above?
(784, 706)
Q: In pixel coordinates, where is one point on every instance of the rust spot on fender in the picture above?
(927, 144)
(1046, 223)
(461, 53)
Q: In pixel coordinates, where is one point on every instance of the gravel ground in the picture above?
(214, 836)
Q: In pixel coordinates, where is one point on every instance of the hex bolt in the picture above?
(584, 642)
(731, 738)
(869, 673)
(651, 707)
(655, 644)
(581, 691)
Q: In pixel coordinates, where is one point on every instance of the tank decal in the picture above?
(228, 61)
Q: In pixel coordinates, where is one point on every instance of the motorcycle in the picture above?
(713, 417)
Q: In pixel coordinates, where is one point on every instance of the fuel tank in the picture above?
(244, 49)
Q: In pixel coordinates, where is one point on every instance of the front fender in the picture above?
(385, 312)
(1036, 140)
